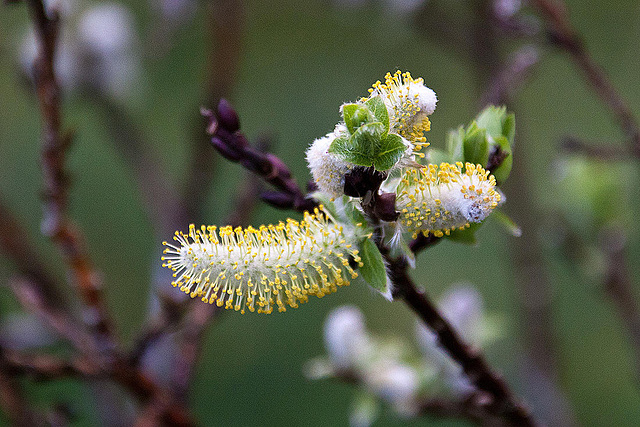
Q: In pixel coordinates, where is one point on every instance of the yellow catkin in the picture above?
(409, 103)
(259, 269)
(440, 199)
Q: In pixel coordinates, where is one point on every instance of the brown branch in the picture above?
(12, 400)
(471, 408)
(167, 319)
(42, 367)
(604, 152)
(191, 340)
(510, 77)
(563, 35)
(28, 294)
(15, 244)
(173, 413)
(503, 402)
(56, 223)
(619, 286)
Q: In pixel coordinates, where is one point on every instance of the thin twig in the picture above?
(167, 319)
(43, 367)
(232, 144)
(12, 400)
(511, 76)
(471, 408)
(606, 151)
(56, 222)
(619, 287)
(15, 244)
(503, 402)
(563, 35)
(27, 291)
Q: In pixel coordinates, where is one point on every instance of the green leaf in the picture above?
(364, 144)
(348, 111)
(476, 146)
(492, 119)
(509, 128)
(356, 115)
(502, 172)
(455, 146)
(390, 151)
(373, 270)
(349, 151)
(379, 110)
(508, 223)
(466, 236)
(354, 214)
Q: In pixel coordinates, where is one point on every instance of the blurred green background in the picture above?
(300, 61)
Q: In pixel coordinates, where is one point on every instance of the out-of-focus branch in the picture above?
(611, 152)
(619, 287)
(563, 35)
(28, 293)
(225, 22)
(511, 76)
(471, 407)
(56, 223)
(191, 341)
(14, 243)
(165, 322)
(12, 400)
(41, 367)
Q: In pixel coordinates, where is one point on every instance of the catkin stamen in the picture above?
(262, 269)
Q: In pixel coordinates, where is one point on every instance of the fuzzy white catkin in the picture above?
(345, 337)
(409, 103)
(328, 170)
(441, 199)
(107, 28)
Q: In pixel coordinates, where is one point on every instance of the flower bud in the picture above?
(328, 170)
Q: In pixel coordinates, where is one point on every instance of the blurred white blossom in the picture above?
(345, 337)
(106, 34)
(99, 48)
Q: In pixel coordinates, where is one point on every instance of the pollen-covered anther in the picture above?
(409, 103)
(441, 199)
(274, 266)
